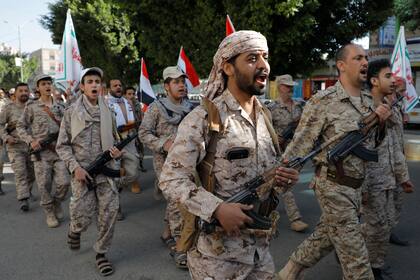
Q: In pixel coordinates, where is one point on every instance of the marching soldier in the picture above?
(328, 114)
(286, 114)
(88, 129)
(384, 176)
(38, 127)
(18, 150)
(242, 149)
(4, 100)
(157, 131)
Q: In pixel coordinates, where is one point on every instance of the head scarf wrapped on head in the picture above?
(233, 45)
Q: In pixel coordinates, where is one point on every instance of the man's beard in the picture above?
(116, 95)
(249, 87)
(23, 98)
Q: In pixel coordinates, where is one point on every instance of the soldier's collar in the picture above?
(233, 104)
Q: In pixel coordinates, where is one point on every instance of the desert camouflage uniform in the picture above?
(35, 123)
(154, 131)
(329, 113)
(216, 255)
(3, 104)
(398, 191)
(84, 204)
(382, 178)
(281, 117)
(18, 152)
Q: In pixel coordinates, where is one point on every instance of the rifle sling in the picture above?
(51, 115)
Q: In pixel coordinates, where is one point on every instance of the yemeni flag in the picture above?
(185, 65)
(70, 65)
(401, 67)
(229, 26)
(147, 95)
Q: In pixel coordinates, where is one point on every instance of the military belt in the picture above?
(341, 180)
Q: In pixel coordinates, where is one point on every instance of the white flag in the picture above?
(70, 66)
(401, 67)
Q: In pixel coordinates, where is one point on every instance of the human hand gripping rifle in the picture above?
(254, 189)
(98, 165)
(44, 144)
(352, 143)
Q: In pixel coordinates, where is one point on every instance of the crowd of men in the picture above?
(204, 156)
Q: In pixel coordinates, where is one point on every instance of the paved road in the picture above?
(29, 250)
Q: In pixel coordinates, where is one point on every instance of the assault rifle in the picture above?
(10, 128)
(44, 144)
(98, 165)
(352, 143)
(287, 133)
(260, 185)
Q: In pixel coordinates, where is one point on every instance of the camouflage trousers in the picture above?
(337, 229)
(290, 206)
(49, 173)
(131, 164)
(209, 268)
(103, 202)
(398, 204)
(2, 156)
(24, 173)
(172, 214)
(378, 216)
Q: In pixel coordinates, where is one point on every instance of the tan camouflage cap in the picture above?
(233, 45)
(172, 72)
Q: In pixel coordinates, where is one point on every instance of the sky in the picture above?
(25, 13)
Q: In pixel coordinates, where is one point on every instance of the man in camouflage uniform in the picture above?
(400, 90)
(382, 177)
(4, 101)
(284, 112)
(328, 115)
(88, 129)
(39, 122)
(18, 150)
(233, 251)
(158, 130)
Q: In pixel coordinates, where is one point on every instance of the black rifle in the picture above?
(10, 128)
(287, 133)
(98, 165)
(44, 144)
(352, 143)
(249, 193)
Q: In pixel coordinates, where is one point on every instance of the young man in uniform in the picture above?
(384, 176)
(244, 149)
(88, 129)
(157, 131)
(18, 150)
(40, 122)
(333, 113)
(285, 111)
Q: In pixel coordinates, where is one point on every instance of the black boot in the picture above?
(1, 191)
(24, 205)
(377, 272)
(394, 239)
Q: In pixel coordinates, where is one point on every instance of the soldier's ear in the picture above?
(374, 81)
(340, 66)
(228, 69)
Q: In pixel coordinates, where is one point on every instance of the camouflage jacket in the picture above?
(327, 114)
(281, 115)
(9, 117)
(177, 178)
(36, 123)
(155, 130)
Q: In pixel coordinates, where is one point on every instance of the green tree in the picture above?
(408, 12)
(10, 73)
(115, 34)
